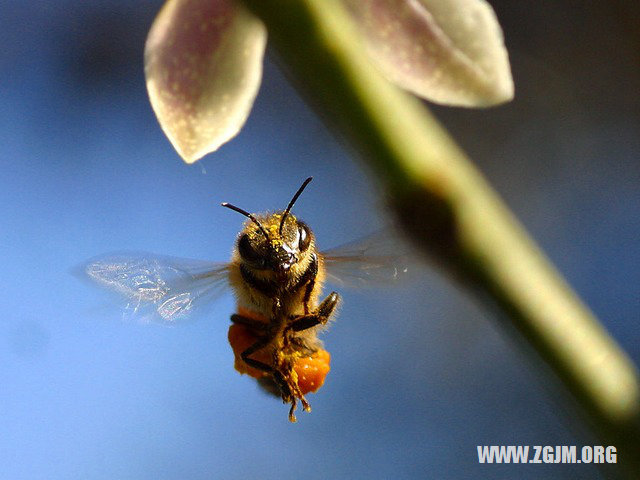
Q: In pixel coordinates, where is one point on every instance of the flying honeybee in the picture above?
(277, 274)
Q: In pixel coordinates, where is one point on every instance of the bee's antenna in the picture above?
(247, 214)
(293, 200)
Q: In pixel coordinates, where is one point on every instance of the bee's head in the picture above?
(266, 247)
(277, 242)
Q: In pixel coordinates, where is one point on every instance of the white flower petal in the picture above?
(203, 64)
(447, 51)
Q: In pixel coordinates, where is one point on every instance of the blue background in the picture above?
(421, 374)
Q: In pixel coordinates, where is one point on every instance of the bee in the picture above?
(276, 273)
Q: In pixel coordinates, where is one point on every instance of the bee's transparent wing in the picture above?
(156, 287)
(375, 260)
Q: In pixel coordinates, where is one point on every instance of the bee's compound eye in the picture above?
(246, 250)
(304, 237)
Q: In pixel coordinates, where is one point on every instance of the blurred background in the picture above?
(421, 374)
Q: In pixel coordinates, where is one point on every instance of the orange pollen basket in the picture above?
(311, 370)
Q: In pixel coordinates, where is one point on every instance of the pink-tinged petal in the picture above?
(447, 51)
(203, 63)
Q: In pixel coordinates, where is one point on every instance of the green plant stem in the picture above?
(448, 209)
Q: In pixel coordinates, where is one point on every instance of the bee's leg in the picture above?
(285, 389)
(256, 325)
(294, 405)
(262, 342)
(307, 295)
(257, 364)
(308, 280)
(278, 377)
(297, 394)
(319, 316)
